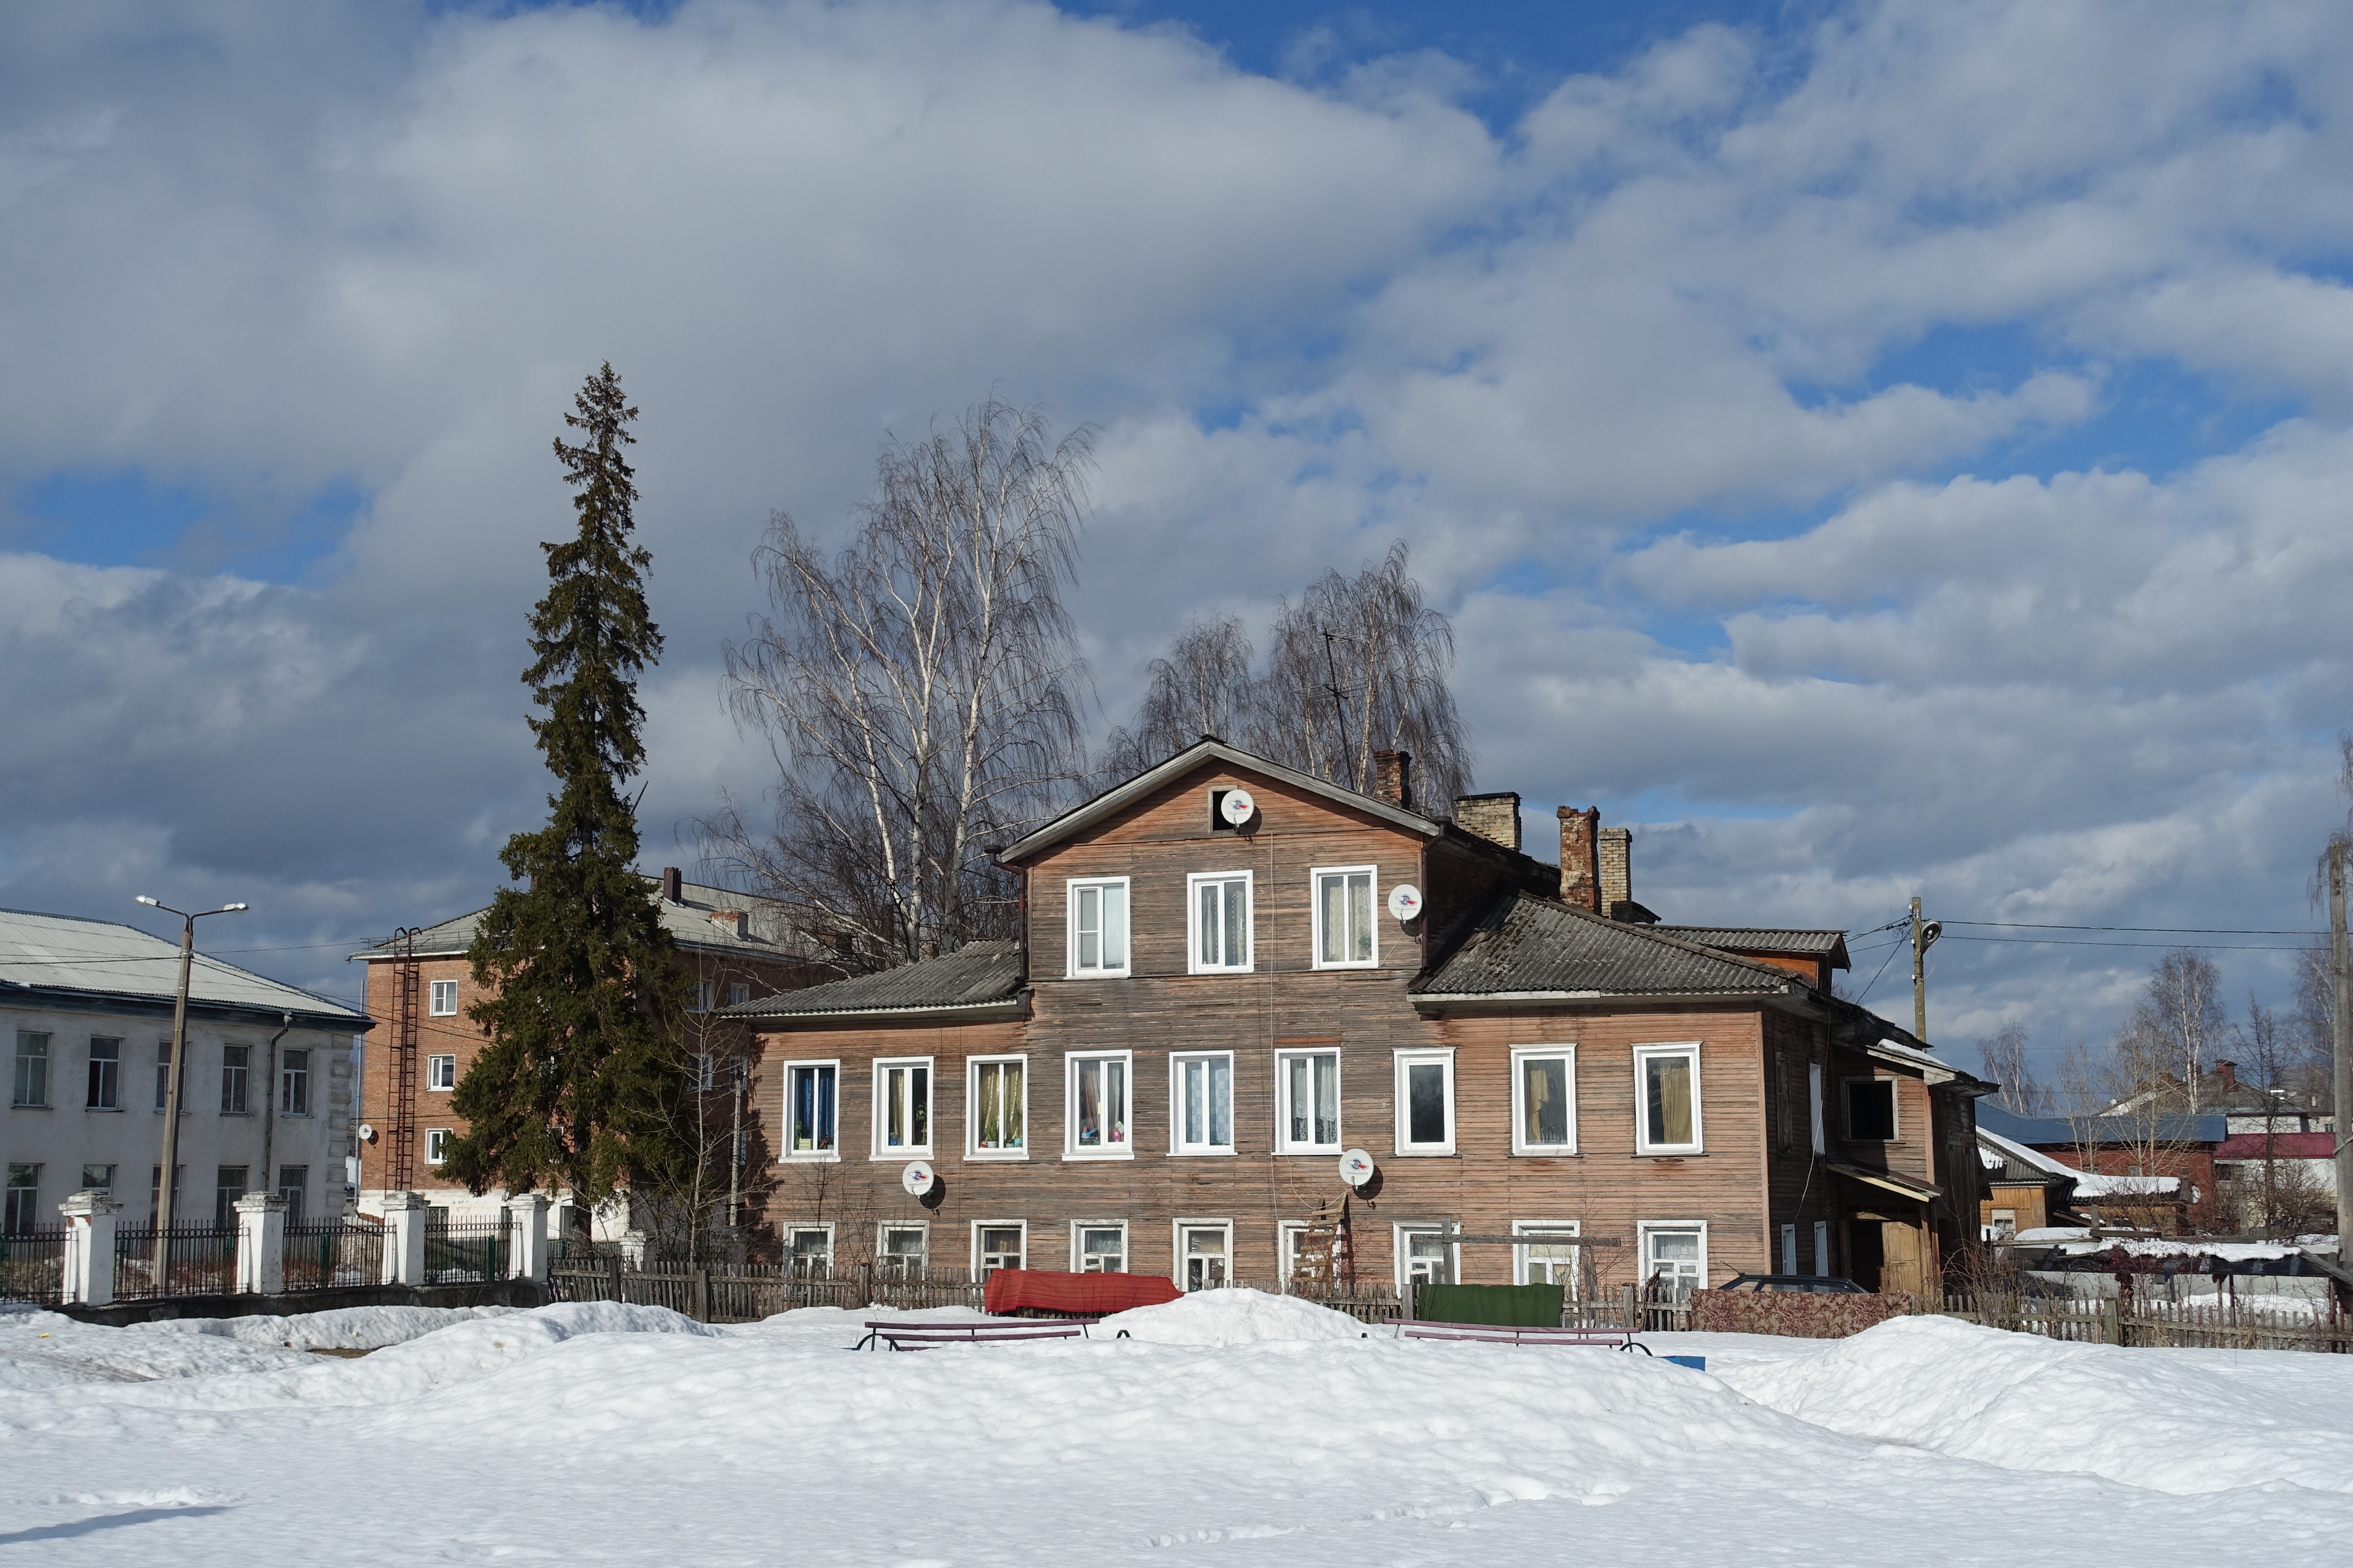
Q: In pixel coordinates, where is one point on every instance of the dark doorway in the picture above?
(1866, 1252)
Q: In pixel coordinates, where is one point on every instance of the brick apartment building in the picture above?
(1215, 1003)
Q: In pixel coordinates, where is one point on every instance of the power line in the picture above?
(2086, 941)
(2183, 930)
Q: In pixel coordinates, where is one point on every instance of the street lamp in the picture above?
(171, 1093)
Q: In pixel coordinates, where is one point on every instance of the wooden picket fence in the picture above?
(2189, 1325)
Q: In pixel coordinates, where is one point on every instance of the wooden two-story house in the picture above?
(1236, 974)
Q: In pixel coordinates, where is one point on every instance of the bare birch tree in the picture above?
(919, 691)
(2176, 1026)
(1203, 687)
(2005, 1063)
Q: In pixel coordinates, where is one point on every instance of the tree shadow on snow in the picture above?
(104, 1521)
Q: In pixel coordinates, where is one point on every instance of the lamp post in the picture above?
(171, 1151)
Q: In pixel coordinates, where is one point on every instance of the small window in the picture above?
(236, 1061)
(1548, 1256)
(1543, 1099)
(2005, 1224)
(97, 1178)
(997, 1094)
(228, 1186)
(294, 1083)
(1221, 921)
(1344, 917)
(293, 1183)
(1201, 1109)
(437, 1145)
(1098, 934)
(1097, 1110)
(24, 1200)
(902, 1251)
(902, 1108)
(998, 1244)
(442, 1073)
(1204, 1253)
(1423, 1256)
(738, 992)
(164, 1075)
(1674, 1257)
(1666, 1085)
(1307, 1109)
(445, 999)
(1424, 1102)
(32, 1070)
(809, 1249)
(105, 1075)
(1870, 1110)
(810, 1101)
(1099, 1246)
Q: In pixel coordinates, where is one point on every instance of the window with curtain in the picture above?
(998, 1095)
(1222, 923)
(1666, 1082)
(1098, 935)
(810, 1100)
(1098, 1108)
(1544, 1101)
(1307, 1109)
(1344, 917)
(902, 1107)
(1203, 1115)
(1102, 1249)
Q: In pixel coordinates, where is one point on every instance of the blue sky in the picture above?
(1871, 448)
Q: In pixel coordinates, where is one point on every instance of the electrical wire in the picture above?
(2179, 931)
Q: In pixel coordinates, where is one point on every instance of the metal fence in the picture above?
(471, 1253)
(33, 1266)
(200, 1260)
(322, 1254)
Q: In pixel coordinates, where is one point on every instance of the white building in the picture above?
(86, 1018)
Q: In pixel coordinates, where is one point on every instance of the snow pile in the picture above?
(1232, 1317)
(49, 1350)
(349, 1327)
(2174, 1421)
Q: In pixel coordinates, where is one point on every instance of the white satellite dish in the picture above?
(1355, 1167)
(1404, 902)
(367, 1133)
(1236, 806)
(917, 1178)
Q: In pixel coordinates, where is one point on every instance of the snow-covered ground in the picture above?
(1230, 1429)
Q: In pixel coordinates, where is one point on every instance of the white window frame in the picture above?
(1193, 964)
(1643, 1056)
(1078, 1228)
(787, 1154)
(981, 1225)
(832, 1241)
(1288, 1235)
(883, 1068)
(1071, 1150)
(1814, 1095)
(1177, 1062)
(437, 993)
(1553, 1233)
(433, 1072)
(1176, 1229)
(437, 1145)
(1822, 1248)
(1315, 876)
(1071, 968)
(882, 1234)
(1894, 1107)
(1520, 1056)
(1402, 1062)
(1401, 1254)
(1283, 1139)
(1790, 1248)
(972, 1147)
(1645, 1229)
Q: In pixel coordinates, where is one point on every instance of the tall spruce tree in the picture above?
(579, 1082)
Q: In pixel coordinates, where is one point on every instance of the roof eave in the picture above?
(1472, 1002)
(1012, 1010)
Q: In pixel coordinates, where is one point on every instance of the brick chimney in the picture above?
(1494, 817)
(1393, 778)
(1616, 871)
(1579, 856)
(674, 885)
(2229, 1073)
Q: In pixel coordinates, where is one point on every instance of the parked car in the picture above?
(1818, 1284)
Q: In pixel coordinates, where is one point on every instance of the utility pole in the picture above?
(2341, 1041)
(179, 1072)
(1923, 936)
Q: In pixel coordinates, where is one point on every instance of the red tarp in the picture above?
(1045, 1290)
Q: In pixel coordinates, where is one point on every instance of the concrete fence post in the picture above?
(527, 1236)
(261, 1245)
(404, 1237)
(89, 1247)
(633, 1247)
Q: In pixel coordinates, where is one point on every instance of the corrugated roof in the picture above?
(106, 958)
(2282, 1146)
(2060, 1131)
(1762, 939)
(688, 922)
(1528, 945)
(974, 975)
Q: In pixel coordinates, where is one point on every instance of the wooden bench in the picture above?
(901, 1335)
(1500, 1334)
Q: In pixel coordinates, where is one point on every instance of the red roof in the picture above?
(2284, 1146)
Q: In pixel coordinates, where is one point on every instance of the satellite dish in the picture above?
(367, 1133)
(917, 1178)
(1404, 902)
(1355, 1167)
(1238, 806)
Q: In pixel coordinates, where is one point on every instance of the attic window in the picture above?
(1870, 1110)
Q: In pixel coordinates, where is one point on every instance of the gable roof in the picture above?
(979, 975)
(689, 921)
(1208, 749)
(1526, 946)
(85, 963)
(1824, 944)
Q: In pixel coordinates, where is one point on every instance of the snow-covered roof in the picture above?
(1996, 1152)
(68, 958)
